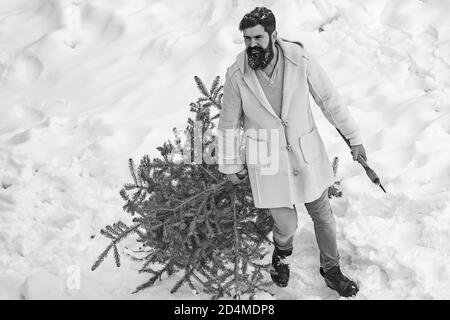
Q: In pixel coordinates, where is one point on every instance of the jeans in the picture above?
(324, 228)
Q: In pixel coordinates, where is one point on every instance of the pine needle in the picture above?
(132, 170)
(215, 84)
(101, 257)
(116, 256)
(201, 87)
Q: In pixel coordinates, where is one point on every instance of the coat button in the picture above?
(288, 147)
(296, 171)
(284, 122)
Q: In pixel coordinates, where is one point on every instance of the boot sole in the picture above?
(329, 286)
(281, 285)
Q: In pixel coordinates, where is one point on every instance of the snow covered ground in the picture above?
(87, 84)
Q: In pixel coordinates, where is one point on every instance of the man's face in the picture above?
(259, 46)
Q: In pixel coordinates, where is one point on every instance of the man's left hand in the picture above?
(358, 150)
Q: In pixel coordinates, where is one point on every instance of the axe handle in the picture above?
(370, 173)
(360, 158)
(362, 161)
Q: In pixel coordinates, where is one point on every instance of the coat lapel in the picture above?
(288, 85)
(253, 83)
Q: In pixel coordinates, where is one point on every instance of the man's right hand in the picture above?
(238, 177)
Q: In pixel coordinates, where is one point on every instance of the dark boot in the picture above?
(337, 281)
(280, 268)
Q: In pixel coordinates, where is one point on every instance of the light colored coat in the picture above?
(299, 168)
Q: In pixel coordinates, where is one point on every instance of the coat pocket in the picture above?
(256, 152)
(310, 145)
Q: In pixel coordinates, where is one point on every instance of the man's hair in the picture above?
(259, 15)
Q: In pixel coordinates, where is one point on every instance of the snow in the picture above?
(85, 85)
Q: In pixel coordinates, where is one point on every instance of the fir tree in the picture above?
(190, 220)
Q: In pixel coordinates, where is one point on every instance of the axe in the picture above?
(369, 171)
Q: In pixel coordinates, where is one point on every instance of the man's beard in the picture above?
(259, 58)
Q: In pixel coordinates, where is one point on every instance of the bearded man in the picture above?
(266, 91)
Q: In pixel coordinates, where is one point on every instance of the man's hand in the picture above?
(358, 150)
(238, 177)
